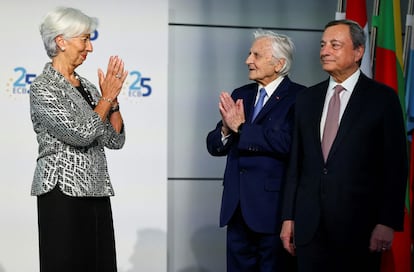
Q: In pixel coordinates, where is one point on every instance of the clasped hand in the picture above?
(111, 83)
(232, 113)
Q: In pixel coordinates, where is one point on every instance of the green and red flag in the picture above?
(389, 70)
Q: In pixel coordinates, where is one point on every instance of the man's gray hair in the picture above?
(282, 47)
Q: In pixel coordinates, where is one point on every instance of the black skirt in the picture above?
(75, 233)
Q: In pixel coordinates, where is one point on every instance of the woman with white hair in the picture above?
(73, 123)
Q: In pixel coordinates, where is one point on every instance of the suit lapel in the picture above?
(248, 102)
(64, 84)
(318, 99)
(280, 92)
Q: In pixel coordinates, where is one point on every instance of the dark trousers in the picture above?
(323, 255)
(249, 251)
(75, 233)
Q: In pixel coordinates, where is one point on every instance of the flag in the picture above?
(356, 10)
(389, 70)
(410, 79)
(409, 87)
(388, 52)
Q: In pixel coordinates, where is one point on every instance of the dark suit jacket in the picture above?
(257, 158)
(364, 179)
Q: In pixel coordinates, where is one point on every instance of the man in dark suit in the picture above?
(257, 149)
(340, 210)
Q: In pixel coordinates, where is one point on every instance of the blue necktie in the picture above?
(259, 104)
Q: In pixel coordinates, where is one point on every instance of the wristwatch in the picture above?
(114, 108)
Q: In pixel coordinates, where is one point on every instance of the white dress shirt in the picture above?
(349, 85)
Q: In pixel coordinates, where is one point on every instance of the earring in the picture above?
(62, 48)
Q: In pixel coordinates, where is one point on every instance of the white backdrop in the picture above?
(137, 31)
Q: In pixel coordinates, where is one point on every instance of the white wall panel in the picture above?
(263, 13)
(137, 31)
(196, 243)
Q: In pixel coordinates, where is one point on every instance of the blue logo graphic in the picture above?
(22, 83)
(94, 35)
(140, 86)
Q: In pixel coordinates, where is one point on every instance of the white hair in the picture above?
(282, 47)
(68, 22)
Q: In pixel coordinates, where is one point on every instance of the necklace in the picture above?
(85, 93)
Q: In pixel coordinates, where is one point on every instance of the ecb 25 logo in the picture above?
(140, 86)
(20, 85)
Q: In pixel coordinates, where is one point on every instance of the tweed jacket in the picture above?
(71, 138)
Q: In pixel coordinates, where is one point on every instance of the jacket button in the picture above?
(325, 171)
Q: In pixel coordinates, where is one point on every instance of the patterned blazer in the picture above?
(71, 138)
